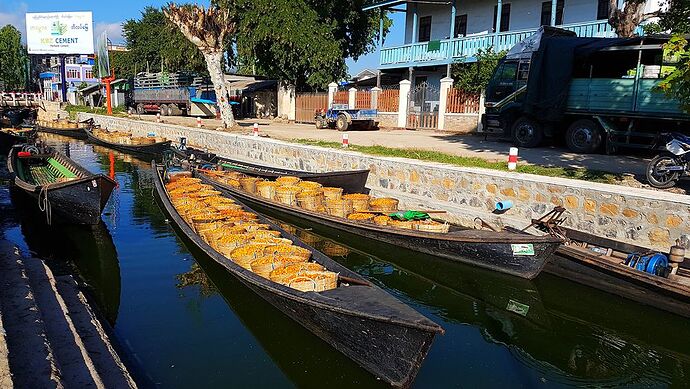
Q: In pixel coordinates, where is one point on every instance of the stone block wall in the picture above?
(51, 110)
(388, 120)
(644, 217)
(461, 122)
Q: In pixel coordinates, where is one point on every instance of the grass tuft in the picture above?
(435, 156)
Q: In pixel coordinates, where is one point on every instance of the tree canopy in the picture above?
(13, 59)
(155, 43)
(474, 77)
(676, 20)
(302, 41)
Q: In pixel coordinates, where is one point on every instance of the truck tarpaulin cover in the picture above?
(551, 69)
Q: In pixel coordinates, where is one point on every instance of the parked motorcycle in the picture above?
(667, 168)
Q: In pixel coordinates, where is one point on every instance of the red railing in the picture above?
(363, 100)
(341, 97)
(389, 100)
(462, 102)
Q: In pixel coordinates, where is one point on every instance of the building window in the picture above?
(69, 60)
(603, 10)
(546, 13)
(460, 25)
(88, 74)
(73, 73)
(505, 17)
(424, 29)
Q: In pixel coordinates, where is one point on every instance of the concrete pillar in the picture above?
(499, 10)
(352, 98)
(375, 97)
(287, 101)
(405, 86)
(415, 22)
(452, 19)
(332, 90)
(482, 109)
(554, 5)
(446, 84)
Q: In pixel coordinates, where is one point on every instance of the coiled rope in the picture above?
(44, 204)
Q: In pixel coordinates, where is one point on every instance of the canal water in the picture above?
(181, 321)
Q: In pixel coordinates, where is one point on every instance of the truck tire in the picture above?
(341, 123)
(140, 109)
(583, 136)
(321, 123)
(527, 132)
(164, 110)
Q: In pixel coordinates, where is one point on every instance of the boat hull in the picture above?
(8, 140)
(497, 256)
(149, 150)
(76, 133)
(384, 347)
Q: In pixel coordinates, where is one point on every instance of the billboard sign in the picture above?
(59, 33)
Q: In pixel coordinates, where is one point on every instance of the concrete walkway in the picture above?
(455, 144)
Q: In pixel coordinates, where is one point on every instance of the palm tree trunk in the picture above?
(215, 70)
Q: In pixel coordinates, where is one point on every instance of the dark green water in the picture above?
(183, 322)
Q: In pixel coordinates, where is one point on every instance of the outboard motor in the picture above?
(655, 264)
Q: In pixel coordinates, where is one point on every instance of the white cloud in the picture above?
(13, 13)
(114, 31)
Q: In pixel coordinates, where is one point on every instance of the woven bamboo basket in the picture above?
(288, 228)
(310, 200)
(309, 185)
(249, 183)
(289, 250)
(360, 201)
(246, 254)
(432, 226)
(287, 194)
(232, 182)
(330, 193)
(266, 189)
(333, 249)
(287, 180)
(308, 238)
(263, 234)
(280, 275)
(408, 225)
(361, 216)
(382, 220)
(314, 281)
(185, 178)
(203, 227)
(250, 226)
(341, 208)
(204, 193)
(227, 229)
(384, 204)
(272, 240)
(265, 265)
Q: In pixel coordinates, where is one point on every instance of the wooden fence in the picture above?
(341, 97)
(389, 100)
(307, 103)
(462, 102)
(363, 100)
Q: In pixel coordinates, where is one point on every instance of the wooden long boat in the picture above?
(146, 149)
(600, 263)
(352, 181)
(76, 133)
(357, 318)
(519, 254)
(60, 185)
(12, 136)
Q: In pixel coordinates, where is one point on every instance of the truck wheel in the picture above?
(321, 124)
(164, 110)
(341, 123)
(583, 136)
(527, 132)
(140, 109)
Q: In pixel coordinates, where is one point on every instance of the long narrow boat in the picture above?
(60, 185)
(357, 318)
(72, 130)
(519, 254)
(352, 181)
(601, 263)
(156, 148)
(12, 136)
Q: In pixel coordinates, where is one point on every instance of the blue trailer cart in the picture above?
(342, 118)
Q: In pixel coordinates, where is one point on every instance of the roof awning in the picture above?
(90, 89)
(46, 75)
(381, 4)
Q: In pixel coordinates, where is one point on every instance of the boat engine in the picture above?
(656, 264)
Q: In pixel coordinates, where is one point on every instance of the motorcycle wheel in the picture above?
(658, 176)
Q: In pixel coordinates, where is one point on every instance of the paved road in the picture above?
(461, 145)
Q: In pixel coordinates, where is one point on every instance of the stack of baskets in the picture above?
(287, 194)
(340, 207)
(360, 201)
(266, 189)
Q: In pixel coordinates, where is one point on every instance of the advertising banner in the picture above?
(59, 33)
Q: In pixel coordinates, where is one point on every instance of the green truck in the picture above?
(598, 94)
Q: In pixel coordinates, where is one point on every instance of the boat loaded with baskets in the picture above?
(357, 318)
(62, 187)
(351, 181)
(126, 142)
(378, 220)
(62, 127)
(13, 136)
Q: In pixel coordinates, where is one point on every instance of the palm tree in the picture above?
(207, 28)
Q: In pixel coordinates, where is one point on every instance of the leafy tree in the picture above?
(13, 59)
(123, 63)
(302, 41)
(676, 20)
(474, 77)
(207, 29)
(155, 43)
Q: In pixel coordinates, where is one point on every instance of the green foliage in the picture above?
(303, 41)
(436, 156)
(474, 77)
(676, 19)
(153, 41)
(72, 110)
(677, 84)
(13, 59)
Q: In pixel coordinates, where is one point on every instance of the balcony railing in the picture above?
(465, 49)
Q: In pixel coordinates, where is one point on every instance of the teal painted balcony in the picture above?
(465, 49)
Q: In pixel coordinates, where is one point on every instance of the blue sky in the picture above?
(109, 15)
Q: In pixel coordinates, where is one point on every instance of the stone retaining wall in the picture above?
(387, 119)
(461, 122)
(643, 217)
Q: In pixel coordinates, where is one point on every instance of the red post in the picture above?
(108, 97)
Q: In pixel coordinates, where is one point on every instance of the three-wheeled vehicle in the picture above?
(342, 118)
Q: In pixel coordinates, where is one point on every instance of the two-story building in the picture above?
(78, 70)
(439, 33)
